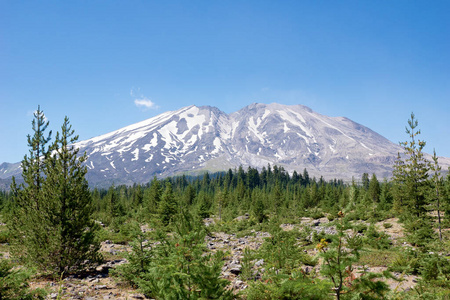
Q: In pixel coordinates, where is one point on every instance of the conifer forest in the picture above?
(242, 233)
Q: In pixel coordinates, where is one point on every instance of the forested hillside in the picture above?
(246, 203)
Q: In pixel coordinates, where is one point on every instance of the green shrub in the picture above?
(115, 237)
(281, 251)
(247, 264)
(387, 225)
(177, 267)
(318, 236)
(377, 240)
(14, 283)
(360, 227)
(435, 269)
(4, 236)
(316, 213)
(338, 259)
(419, 232)
(407, 261)
(138, 259)
(296, 285)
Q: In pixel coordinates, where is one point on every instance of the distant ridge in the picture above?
(196, 139)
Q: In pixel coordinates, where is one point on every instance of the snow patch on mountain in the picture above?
(195, 139)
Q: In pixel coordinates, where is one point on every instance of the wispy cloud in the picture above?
(141, 101)
(145, 103)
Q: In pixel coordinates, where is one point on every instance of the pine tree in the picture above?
(28, 223)
(179, 267)
(189, 195)
(437, 182)
(113, 207)
(277, 196)
(385, 196)
(411, 183)
(219, 202)
(152, 197)
(374, 189)
(137, 196)
(69, 206)
(51, 222)
(412, 174)
(167, 205)
(365, 181)
(258, 210)
(338, 259)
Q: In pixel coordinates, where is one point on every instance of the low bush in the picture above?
(14, 283)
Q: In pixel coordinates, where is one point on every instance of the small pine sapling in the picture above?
(14, 282)
(339, 258)
(180, 267)
(139, 258)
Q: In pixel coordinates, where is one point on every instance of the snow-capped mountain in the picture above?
(170, 143)
(297, 137)
(195, 139)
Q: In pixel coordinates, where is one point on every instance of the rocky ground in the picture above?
(99, 285)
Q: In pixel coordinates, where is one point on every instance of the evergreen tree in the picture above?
(411, 174)
(113, 207)
(365, 181)
(437, 182)
(338, 259)
(28, 223)
(96, 200)
(220, 199)
(180, 268)
(276, 196)
(412, 186)
(167, 205)
(385, 196)
(306, 179)
(203, 205)
(51, 222)
(258, 210)
(252, 178)
(69, 207)
(137, 196)
(189, 195)
(374, 189)
(446, 197)
(152, 196)
(398, 187)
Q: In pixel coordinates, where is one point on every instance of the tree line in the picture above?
(55, 220)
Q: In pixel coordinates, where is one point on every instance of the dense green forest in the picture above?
(318, 238)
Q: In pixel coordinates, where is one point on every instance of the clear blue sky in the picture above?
(108, 64)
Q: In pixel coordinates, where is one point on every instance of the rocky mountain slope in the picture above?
(195, 139)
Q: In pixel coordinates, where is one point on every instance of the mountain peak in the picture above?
(194, 139)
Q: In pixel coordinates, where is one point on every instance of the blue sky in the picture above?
(109, 64)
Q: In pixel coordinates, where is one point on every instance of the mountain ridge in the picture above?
(196, 139)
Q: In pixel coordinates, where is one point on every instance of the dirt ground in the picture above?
(99, 285)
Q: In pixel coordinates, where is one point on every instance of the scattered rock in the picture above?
(100, 287)
(235, 269)
(259, 263)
